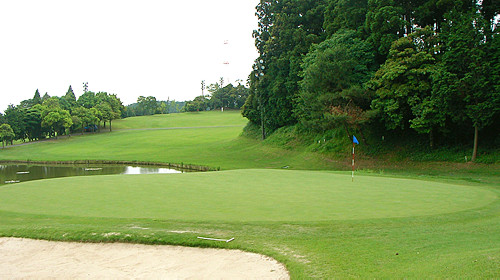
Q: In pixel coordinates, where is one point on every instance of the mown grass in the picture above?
(206, 143)
(438, 220)
(241, 196)
(191, 119)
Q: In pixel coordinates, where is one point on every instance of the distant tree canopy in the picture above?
(229, 97)
(38, 118)
(427, 66)
(150, 106)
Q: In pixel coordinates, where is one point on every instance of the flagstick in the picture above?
(352, 162)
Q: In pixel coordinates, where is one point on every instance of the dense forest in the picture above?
(420, 69)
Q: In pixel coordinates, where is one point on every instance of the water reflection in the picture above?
(14, 173)
(148, 170)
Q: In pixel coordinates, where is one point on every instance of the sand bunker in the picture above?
(35, 259)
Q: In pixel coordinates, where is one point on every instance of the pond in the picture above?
(15, 173)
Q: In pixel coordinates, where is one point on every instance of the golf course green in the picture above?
(241, 196)
(429, 220)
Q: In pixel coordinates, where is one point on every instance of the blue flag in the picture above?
(354, 140)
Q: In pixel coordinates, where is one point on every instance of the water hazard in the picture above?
(15, 173)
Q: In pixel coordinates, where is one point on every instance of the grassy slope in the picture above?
(196, 119)
(208, 144)
(446, 244)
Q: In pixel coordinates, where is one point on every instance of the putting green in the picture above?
(241, 195)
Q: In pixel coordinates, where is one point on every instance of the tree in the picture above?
(6, 133)
(116, 108)
(286, 31)
(237, 96)
(36, 98)
(45, 97)
(404, 86)
(147, 104)
(14, 116)
(85, 117)
(162, 107)
(384, 25)
(31, 102)
(471, 59)
(87, 100)
(332, 92)
(198, 104)
(69, 100)
(345, 14)
(97, 116)
(106, 112)
(33, 119)
(56, 119)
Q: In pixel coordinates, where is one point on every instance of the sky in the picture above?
(128, 48)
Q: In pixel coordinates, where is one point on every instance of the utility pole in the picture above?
(202, 88)
(222, 93)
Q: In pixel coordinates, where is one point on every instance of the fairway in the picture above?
(241, 195)
(192, 119)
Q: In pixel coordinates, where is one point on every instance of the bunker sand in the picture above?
(39, 259)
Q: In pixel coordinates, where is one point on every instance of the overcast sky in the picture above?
(129, 48)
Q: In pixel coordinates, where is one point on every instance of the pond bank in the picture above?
(93, 162)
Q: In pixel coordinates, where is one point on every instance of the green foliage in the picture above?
(286, 31)
(384, 25)
(33, 119)
(87, 100)
(345, 14)
(331, 92)
(15, 117)
(69, 100)
(45, 97)
(163, 107)
(147, 104)
(200, 103)
(436, 65)
(58, 120)
(6, 133)
(36, 98)
(403, 85)
(229, 97)
(470, 62)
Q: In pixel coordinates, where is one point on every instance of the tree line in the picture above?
(219, 96)
(149, 105)
(42, 117)
(408, 67)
